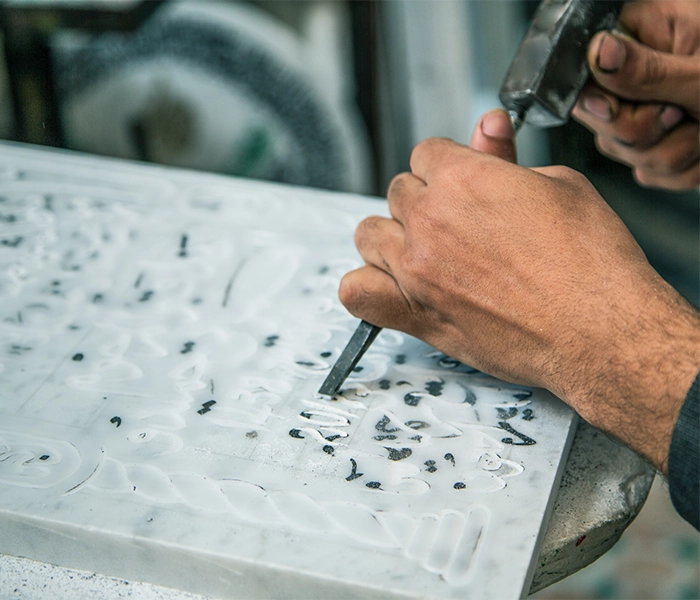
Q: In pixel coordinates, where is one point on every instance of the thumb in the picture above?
(494, 135)
(633, 71)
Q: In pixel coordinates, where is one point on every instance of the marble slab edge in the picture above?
(133, 559)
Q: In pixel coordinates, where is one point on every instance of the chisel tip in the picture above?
(359, 342)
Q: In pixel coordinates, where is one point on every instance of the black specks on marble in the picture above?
(400, 359)
(305, 363)
(196, 300)
(8, 218)
(430, 466)
(229, 284)
(323, 270)
(331, 438)
(206, 407)
(251, 435)
(381, 425)
(78, 357)
(139, 279)
(374, 485)
(146, 296)
(296, 433)
(325, 354)
(509, 414)
(116, 420)
(525, 440)
(528, 415)
(305, 414)
(522, 395)
(19, 316)
(416, 438)
(12, 242)
(450, 457)
(358, 369)
(44, 457)
(412, 399)
(460, 485)
(98, 298)
(328, 449)
(380, 438)
(73, 327)
(18, 350)
(271, 340)
(384, 384)
(183, 246)
(469, 397)
(403, 382)
(434, 388)
(353, 474)
(417, 424)
(398, 453)
(187, 347)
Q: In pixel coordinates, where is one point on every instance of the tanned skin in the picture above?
(527, 274)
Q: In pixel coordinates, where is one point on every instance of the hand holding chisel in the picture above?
(541, 87)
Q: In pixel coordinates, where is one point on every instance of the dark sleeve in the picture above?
(684, 459)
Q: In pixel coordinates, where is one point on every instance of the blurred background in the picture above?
(330, 94)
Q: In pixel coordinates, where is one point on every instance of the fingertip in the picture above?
(496, 124)
(610, 53)
(494, 135)
(597, 105)
(671, 116)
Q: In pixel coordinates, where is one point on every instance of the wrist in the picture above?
(633, 379)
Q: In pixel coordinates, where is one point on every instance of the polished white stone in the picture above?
(163, 334)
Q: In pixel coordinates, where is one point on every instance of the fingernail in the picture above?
(611, 54)
(671, 116)
(497, 125)
(598, 106)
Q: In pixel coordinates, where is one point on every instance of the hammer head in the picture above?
(549, 69)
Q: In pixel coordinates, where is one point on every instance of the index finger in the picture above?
(429, 154)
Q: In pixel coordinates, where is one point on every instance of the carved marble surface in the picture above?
(162, 337)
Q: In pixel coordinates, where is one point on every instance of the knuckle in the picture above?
(640, 130)
(654, 69)
(365, 230)
(453, 170)
(671, 163)
(428, 145)
(607, 146)
(397, 184)
(645, 179)
(568, 175)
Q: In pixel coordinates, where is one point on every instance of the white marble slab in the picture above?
(162, 337)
